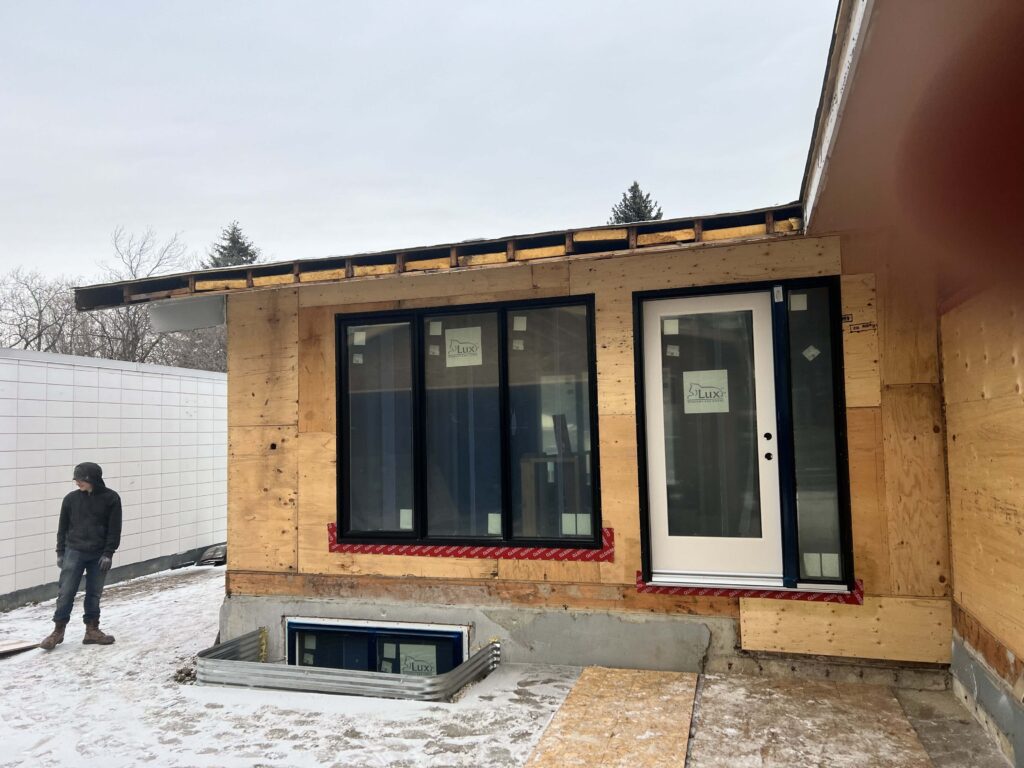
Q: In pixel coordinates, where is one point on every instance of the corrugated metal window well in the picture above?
(427, 662)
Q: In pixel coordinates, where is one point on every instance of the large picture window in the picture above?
(469, 424)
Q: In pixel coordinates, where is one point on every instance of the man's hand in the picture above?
(104, 564)
(60, 561)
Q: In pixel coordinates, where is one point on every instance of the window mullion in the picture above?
(506, 452)
(419, 426)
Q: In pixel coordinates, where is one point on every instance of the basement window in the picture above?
(423, 650)
(469, 425)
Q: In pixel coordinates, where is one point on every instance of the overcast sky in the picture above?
(333, 128)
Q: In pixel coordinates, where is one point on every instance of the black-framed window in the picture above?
(811, 426)
(471, 424)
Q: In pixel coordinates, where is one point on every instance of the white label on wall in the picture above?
(797, 302)
(494, 524)
(671, 350)
(671, 326)
(706, 391)
(519, 323)
(405, 519)
(462, 347)
(435, 327)
(811, 352)
(358, 338)
(357, 358)
(518, 345)
(418, 659)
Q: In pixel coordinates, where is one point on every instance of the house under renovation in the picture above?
(796, 430)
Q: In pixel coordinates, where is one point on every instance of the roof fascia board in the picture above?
(842, 69)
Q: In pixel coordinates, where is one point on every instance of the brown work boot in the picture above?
(94, 636)
(55, 638)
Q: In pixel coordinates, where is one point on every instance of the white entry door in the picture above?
(712, 458)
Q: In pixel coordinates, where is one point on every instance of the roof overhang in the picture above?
(919, 128)
(777, 221)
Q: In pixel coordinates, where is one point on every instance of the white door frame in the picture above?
(702, 560)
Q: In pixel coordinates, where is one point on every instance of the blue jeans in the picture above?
(75, 564)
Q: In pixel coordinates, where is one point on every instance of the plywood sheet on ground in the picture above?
(751, 722)
(894, 628)
(620, 717)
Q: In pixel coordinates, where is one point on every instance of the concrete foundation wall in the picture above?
(528, 635)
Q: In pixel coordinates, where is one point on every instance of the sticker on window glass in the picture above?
(418, 659)
(494, 524)
(830, 565)
(385, 666)
(435, 350)
(519, 323)
(671, 350)
(358, 338)
(462, 347)
(307, 659)
(671, 326)
(405, 519)
(389, 650)
(435, 327)
(706, 391)
(797, 302)
(518, 345)
(357, 359)
(811, 352)
(310, 642)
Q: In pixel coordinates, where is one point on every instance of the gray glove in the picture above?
(60, 561)
(104, 564)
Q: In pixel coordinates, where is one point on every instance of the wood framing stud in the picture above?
(510, 250)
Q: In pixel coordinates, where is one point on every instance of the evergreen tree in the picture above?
(636, 205)
(233, 250)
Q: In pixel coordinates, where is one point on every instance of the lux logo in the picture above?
(456, 347)
(700, 392)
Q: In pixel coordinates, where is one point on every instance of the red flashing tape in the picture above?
(606, 554)
(856, 597)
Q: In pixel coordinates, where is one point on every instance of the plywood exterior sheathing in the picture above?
(282, 345)
(895, 628)
(983, 382)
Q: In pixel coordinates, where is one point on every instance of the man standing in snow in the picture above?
(88, 534)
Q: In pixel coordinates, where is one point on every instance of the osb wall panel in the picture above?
(263, 358)
(867, 500)
(896, 628)
(983, 382)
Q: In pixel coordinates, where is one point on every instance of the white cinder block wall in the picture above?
(159, 433)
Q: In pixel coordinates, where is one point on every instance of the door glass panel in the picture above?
(814, 438)
(379, 439)
(549, 422)
(463, 425)
(710, 413)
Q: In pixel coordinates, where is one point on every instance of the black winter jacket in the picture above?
(90, 522)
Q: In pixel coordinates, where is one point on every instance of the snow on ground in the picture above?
(121, 706)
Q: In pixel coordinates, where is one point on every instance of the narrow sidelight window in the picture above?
(379, 438)
(463, 425)
(814, 433)
(549, 422)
